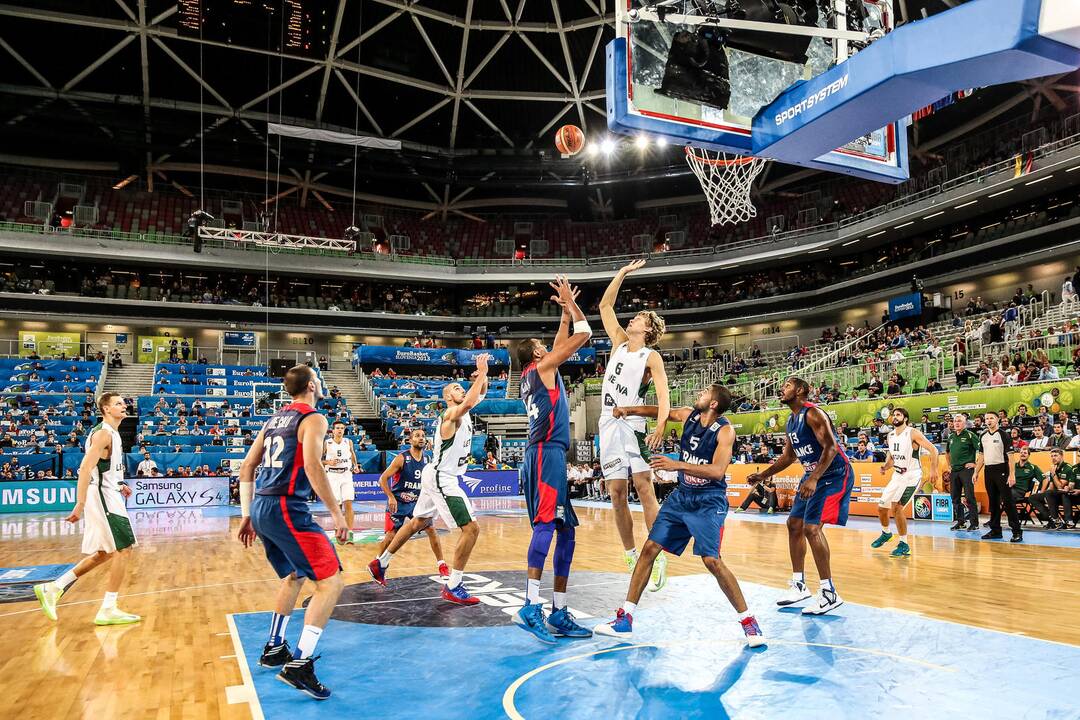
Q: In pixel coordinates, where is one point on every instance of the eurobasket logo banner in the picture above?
(905, 306)
(49, 344)
(384, 355)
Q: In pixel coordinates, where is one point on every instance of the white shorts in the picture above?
(106, 526)
(442, 494)
(622, 449)
(901, 488)
(342, 486)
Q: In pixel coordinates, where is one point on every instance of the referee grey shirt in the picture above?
(995, 447)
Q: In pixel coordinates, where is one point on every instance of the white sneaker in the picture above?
(797, 592)
(115, 616)
(824, 601)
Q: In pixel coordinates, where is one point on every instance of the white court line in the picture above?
(247, 690)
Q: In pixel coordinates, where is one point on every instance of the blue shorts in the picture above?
(293, 541)
(543, 480)
(829, 503)
(691, 514)
(394, 521)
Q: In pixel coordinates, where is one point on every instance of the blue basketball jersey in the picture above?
(805, 445)
(549, 413)
(282, 470)
(697, 447)
(406, 485)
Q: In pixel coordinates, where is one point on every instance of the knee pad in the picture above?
(564, 550)
(540, 544)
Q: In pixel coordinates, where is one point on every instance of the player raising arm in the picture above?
(624, 446)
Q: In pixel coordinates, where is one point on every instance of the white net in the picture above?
(726, 180)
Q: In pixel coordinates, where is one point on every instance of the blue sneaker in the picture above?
(531, 619)
(459, 595)
(562, 624)
(883, 538)
(621, 627)
(902, 550)
(754, 636)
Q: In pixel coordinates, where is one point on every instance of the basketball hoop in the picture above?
(726, 179)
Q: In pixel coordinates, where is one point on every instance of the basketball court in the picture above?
(924, 636)
(962, 628)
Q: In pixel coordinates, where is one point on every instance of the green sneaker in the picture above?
(902, 550)
(48, 595)
(883, 538)
(659, 573)
(738, 510)
(631, 562)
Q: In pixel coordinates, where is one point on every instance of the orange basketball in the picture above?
(569, 140)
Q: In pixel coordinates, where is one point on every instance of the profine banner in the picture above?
(477, 484)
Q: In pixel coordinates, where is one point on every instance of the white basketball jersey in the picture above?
(623, 382)
(108, 472)
(338, 451)
(901, 450)
(452, 456)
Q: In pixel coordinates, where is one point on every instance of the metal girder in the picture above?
(489, 123)
(421, 116)
(331, 53)
(460, 77)
(358, 101)
(82, 75)
(544, 61)
(25, 63)
(569, 64)
(513, 25)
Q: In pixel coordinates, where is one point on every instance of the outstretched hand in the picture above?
(565, 293)
(635, 265)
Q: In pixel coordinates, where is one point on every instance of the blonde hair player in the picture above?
(107, 533)
(339, 459)
(624, 446)
(903, 458)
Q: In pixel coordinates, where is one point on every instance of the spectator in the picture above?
(1048, 372)
(762, 494)
(1017, 441)
(1058, 439)
(862, 452)
(1040, 441)
(933, 386)
(146, 467)
(115, 361)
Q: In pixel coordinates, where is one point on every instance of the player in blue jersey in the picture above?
(696, 509)
(823, 496)
(543, 468)
(288, 453)
(405, 470)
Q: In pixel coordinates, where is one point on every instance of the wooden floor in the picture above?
(188, 572)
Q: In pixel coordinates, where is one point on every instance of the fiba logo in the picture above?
(922, 507)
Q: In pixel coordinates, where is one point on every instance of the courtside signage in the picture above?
(38, 496)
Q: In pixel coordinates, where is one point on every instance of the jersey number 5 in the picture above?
(272, 452)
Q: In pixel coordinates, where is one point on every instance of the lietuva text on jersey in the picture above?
(804, 442)
(282, 470)
(697, 447)
(549, 413)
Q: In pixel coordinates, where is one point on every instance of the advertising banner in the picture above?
(155, 348)
(905, 306)
(235, 339)
(1055, 396)
(583, 356)
(39, 496)
(389, 355)
(477, 484)
(48, 344)
(178, 492)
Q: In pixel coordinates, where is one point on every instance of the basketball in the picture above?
(569, 140)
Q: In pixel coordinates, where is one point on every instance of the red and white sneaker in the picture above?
(754, 636)
(444, 570)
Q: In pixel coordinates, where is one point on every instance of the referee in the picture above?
(960, 452)
(993, 458)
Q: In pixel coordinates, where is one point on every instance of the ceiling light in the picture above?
(1036, 182)
(934, 215)
(851, 242)
(661, 142)
(642, 142)
(879, 232)
(607, 146)
(1009, 190)
(972, 202)
(904, 225)
(591, 149)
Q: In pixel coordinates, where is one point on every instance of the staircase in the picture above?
(131, 380)
(352, 391)
(513, 384)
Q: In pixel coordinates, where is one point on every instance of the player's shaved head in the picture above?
(297, 379)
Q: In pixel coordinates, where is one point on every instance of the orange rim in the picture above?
(739, 160)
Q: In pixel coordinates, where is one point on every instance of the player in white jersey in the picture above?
(903, 447)
(107, 533)
(340, 462)
(440, 487)
(624, 445)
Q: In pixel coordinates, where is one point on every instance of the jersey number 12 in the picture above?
(272, 452)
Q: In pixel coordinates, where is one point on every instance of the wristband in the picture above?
(245, 499)
(582, 326)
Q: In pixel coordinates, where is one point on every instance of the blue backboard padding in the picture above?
(977, 44)
(621, 120)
